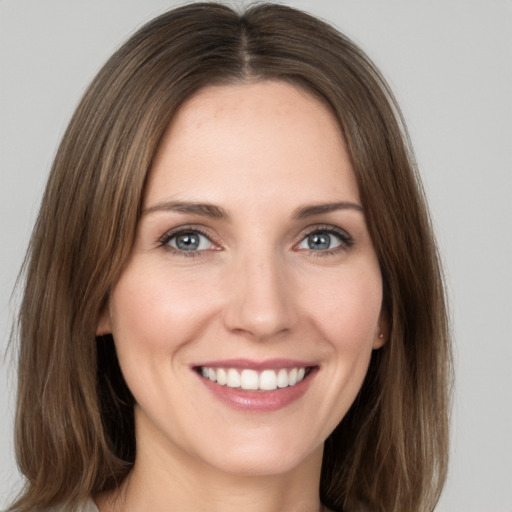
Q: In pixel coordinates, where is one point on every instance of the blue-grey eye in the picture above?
(321, 241)
(190, 241)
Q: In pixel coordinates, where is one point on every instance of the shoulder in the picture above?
(88, 506)
(355, 507)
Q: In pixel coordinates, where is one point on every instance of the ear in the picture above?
(382, 334)
(103, 326)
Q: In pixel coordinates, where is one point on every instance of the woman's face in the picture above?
(245, 319)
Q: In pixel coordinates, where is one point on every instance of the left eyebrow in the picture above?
(318, 209)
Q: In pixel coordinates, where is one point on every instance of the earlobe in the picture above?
(103, 326)
(379, 341)
(382, 334)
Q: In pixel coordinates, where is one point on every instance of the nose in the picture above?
(261, 299)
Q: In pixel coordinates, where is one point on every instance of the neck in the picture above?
(172, 480)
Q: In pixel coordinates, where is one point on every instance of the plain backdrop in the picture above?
(450, 65)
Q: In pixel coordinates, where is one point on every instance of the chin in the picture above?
(263, 458)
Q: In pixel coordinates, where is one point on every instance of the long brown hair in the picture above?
(74, 422)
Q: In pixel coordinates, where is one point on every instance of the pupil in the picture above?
(187, 242)
(318, 241)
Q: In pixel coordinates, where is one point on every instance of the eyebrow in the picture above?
(216, 212)
(202, 209)
(317, 209)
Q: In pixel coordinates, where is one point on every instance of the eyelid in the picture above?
(346, 239)
(163, 241)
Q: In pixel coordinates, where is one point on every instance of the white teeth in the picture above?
(282, 378)
(222, 377)
(233, 378)
(249, 379)
(267, 380)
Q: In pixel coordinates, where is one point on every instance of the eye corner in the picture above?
(329, 240)
(194, 241)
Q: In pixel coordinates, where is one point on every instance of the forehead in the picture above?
(273, 98)
(263, 135)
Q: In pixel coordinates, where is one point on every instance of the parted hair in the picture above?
(74, 421)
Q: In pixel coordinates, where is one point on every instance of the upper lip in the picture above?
(267, 364)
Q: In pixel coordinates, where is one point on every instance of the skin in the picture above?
(255, 290)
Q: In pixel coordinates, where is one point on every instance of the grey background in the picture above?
(450, 65)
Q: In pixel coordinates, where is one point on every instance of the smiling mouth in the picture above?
(253, 380)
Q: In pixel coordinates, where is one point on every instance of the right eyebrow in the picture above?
(202, 209)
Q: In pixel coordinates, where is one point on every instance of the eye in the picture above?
(324, 240)
(188, 241)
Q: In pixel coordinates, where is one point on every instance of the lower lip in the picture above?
(262, 401)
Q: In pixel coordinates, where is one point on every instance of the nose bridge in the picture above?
(261, 302)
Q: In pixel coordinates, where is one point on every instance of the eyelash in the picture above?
(346, 241)
(165, 239)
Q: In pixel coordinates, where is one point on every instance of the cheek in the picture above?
(347, 308)
(153, 311)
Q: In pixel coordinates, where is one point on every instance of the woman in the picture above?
(233, 296)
